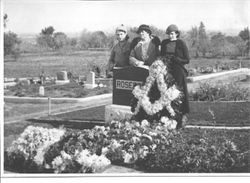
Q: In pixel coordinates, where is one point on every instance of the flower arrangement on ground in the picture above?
(157, 97)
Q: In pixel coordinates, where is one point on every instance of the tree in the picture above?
(60, 40)
(48, 31)
(50, 39)
(45, 41)
(193, 40)
(218, 43)
(98, 39)
(45, 38)
(238, 44)
(245, 36)
(11, 43)
(85, 39)
(203, 40)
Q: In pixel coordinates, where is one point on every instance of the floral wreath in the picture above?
(157, 72)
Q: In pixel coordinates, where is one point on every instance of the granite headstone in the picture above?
(90, 81)
(63, 75)
(124, 81)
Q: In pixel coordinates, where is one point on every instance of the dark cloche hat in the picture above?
(145, 28)
(172, 28)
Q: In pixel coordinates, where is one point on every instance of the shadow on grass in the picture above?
(66, 123)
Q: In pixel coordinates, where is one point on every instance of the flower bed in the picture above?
(148, 147)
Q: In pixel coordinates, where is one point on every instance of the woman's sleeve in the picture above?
(111, 61)
(185, 59)
(163, 48)
(132, 59)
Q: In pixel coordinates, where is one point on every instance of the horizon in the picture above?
(226, 16)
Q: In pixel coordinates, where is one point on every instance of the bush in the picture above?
(186, 155)
(219, 92)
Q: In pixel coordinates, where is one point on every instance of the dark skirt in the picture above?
(180, 77)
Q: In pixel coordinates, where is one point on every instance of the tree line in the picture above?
(200, 42)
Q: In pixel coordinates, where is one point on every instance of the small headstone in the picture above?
(25, 82)
(62, 77)
(41, 91)
(90, 81)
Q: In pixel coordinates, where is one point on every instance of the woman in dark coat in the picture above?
(145, 48)
(119, 56)
(176, 53)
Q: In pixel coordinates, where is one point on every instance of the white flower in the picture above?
(114, 144)
(153, 146)
(34, 141)
(99, 162)
(65, 155)
(147, 137)
(39, 157)
(102, 128)
(135, 140)
(144, 123)
(58, 164)
(170, 124)
(152, 134)
(104, 150)
(127, 158)
(164, 119)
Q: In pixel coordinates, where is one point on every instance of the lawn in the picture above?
(80, 62)
(71, 89)
(15, 110)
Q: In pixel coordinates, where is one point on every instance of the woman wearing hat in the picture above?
(119, 56)
(176, 53)
(145, 48)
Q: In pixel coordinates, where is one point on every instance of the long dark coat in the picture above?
(179, 57)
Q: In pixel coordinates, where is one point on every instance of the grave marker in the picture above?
(62, 77)
(41, 91)
(90, 80)
(124, 81)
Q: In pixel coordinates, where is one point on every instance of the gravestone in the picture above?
(124, 81)
(62, 77)
(90, 81)
(41, 91)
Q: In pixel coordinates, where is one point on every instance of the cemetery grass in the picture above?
(15, 110)
(72, 90)
(80, 62)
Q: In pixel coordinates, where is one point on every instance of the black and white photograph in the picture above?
(118, 89)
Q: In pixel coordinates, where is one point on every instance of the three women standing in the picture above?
(144, 50)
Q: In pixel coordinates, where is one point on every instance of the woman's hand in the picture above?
(139, 63)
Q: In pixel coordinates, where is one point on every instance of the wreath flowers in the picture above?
(157, 74)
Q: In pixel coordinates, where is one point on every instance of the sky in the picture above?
(30, 16)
